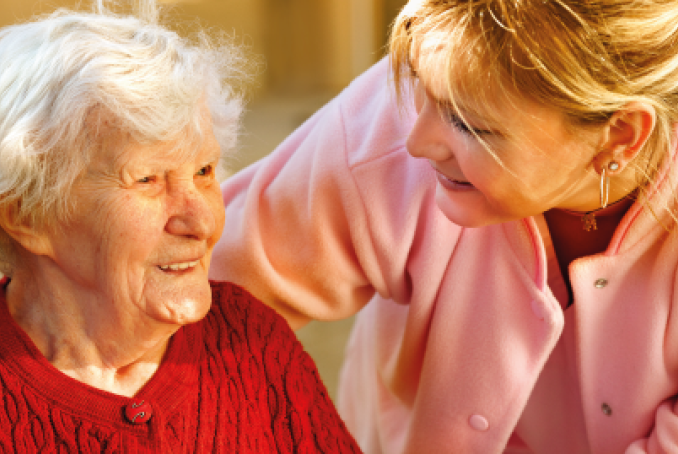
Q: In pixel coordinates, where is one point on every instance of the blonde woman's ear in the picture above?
(626, 133)
(30, 238)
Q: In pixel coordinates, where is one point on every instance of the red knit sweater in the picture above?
(238, 381)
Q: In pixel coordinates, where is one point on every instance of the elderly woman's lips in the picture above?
(179, 266)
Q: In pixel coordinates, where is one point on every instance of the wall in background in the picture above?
(307, 45)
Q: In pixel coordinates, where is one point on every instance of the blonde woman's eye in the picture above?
(461, 125)
(148, 179)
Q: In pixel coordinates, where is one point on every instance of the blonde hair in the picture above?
(65, 74)
(588, 59)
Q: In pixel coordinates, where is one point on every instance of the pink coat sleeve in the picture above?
(334, 214)
(662, 438)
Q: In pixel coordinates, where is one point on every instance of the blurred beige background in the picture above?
(309, 51)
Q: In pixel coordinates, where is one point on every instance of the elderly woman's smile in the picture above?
(179, 266)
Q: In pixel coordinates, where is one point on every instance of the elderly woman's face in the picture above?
(144, 225)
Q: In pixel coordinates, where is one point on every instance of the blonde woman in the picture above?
(498, 202)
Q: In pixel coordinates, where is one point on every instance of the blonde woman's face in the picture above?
(538, 162)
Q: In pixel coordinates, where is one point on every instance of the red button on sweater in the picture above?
(138, 412)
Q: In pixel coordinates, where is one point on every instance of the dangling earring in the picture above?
(589, 218)
(605, 184)
(604, 189)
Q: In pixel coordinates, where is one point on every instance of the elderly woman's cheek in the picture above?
(219, 215)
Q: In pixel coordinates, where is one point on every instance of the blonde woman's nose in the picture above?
(429, 138)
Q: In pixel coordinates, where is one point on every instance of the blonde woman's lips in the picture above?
(452, 184)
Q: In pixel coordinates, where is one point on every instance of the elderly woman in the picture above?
(113, 339)
(509, 230)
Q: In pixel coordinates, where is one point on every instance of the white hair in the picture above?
(57, 70)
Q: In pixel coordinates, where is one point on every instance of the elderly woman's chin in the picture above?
(177, 299)
(178, 303)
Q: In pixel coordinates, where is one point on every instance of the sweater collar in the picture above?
(167, 389)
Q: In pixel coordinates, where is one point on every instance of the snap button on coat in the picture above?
(479, 423)
(607, 410)
(600, 283)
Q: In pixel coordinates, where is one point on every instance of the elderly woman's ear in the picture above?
(625, 134)
(31, 238)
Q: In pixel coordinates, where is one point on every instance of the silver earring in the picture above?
(605, 186)
(605, 183)
(589, 218)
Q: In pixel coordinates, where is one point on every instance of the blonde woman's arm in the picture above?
(337, 212)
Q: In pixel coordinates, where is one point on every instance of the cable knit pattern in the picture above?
(236, 382)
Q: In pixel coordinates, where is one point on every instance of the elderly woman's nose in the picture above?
(191, 214)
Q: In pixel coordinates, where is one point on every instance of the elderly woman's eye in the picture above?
(148, 179)
(207, 170)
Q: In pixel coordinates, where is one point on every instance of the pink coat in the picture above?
(463, 347)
